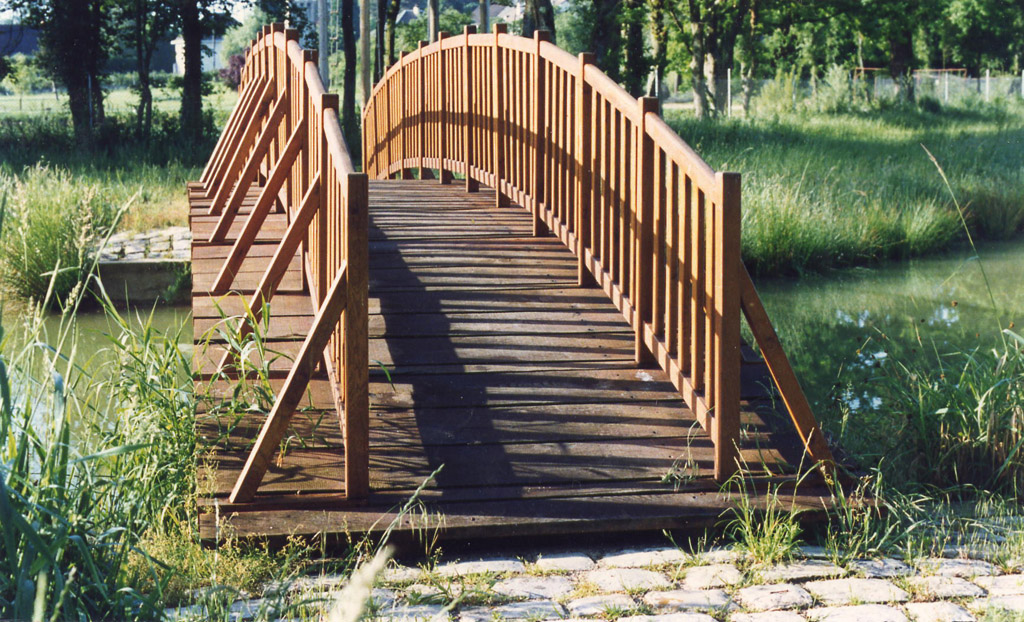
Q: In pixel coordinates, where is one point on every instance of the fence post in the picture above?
(472, 185)
(403, 122)
(355, 360)
(644, 193)
(584, 171)
(442, 143)
(728, 92)
(425, 173)
(539, 132)
(498, 112)
(988, 84)
(725, 410)
(328, 101)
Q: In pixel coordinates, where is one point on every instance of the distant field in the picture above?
(120, 101)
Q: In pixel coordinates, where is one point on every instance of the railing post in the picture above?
(584, 171)
(388, 127)
(442, 143)
(307, 166)
(425, 173)
(328, 101)
(725, 430)
(403, 123)
(643, 285)
(539, 132)
(472, 185)
(356, 330)
(498, 112)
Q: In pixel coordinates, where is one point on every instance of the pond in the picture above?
(837, 328)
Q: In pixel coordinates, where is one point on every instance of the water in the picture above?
(837, 328)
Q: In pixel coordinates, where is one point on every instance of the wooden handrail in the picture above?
(285, 139)
(648, 220)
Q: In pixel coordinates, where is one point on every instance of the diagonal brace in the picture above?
(294, 388)
(259, 212)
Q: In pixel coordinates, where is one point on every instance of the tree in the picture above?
(349, 117)
(74, 39)
(538, 15)
(150, 22)
(191, 17)
(23, 77)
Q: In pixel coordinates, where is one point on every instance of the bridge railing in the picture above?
(284, 142)
(648, 220)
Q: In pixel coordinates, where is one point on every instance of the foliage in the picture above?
(24, 76)
(408, 35)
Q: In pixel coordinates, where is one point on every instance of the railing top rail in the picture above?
(609, 90)
(310, 73)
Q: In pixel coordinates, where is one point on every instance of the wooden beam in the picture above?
(239, 119)
(294, 388)
(271, 279)
(225, 176)
(782, 373)
(252, 163)
(355, 360)
(259, 213)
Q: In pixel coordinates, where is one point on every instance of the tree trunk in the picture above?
(393, 8)
(78, 102)
(433, 15)
(349, 118)
(378, 57)
(364, 48)
(192, 87)
(659, 60)
(634, 63)
(539, 15)
(697, 49)
(901, 55)
(607, 38)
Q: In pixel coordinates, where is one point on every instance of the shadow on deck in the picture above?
(489, 367)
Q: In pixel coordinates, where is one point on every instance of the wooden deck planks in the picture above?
(499, 368)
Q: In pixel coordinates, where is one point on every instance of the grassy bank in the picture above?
(824, 190)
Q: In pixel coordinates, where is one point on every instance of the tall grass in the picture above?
(823, 190)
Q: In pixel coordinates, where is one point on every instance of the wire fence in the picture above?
(835, 90)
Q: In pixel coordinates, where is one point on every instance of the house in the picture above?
(211, 54)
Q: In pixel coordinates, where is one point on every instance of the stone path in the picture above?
(172, 243)
(668, 585)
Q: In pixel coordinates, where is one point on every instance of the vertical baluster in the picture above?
(584, 174)
(498, 116)
(469, 136)
(645, 230)
(727, 328)
(539, 131)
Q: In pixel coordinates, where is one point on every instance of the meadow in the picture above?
(826, 190)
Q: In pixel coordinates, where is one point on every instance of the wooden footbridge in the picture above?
(533, 291)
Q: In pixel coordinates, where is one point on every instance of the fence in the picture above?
(284, 141)
(648, 220)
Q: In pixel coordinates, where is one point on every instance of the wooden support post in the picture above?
(294, 388)
(442, 143)
(584, 172)
(498, 116)
(425, 173)
(403, 122)
(328, 102)
(472, 185)
(725, 429)
(355, 384)
(643, 285)
(540, 133)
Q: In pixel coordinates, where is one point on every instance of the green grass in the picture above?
(827, 190)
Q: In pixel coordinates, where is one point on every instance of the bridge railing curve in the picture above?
(283, 142)
(648, 220)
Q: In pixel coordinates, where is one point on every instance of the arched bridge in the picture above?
(534, 285)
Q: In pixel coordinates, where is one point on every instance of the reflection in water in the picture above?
(838, 328)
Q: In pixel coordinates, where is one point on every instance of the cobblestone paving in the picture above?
(170, 243)
(665, 585)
